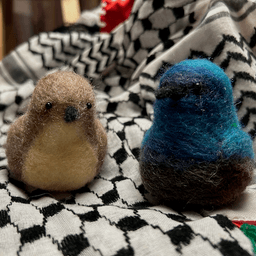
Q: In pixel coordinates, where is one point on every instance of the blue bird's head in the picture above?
(195, 93)
(195, 85)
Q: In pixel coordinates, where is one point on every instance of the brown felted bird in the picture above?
(58, 144)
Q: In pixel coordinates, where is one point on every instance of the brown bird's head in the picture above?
(62, 96)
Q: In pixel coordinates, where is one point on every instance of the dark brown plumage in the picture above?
(59, 144)
(203, 184)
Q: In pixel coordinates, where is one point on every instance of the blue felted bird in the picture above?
(195, 152)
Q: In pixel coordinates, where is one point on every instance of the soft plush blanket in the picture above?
(114, 215)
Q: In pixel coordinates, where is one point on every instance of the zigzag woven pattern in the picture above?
(114, 215)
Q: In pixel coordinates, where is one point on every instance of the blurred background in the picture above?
(21, 19)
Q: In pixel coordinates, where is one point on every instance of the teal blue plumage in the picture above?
(202, 125)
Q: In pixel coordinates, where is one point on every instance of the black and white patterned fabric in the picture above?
(114, 215)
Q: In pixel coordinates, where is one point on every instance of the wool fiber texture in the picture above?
(196, 137)
(59, 130)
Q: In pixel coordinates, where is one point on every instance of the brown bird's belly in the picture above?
(60, 159)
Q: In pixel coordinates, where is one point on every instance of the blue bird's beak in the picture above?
(176, 91)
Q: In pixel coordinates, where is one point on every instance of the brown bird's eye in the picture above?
(89, 105)
(48, 105)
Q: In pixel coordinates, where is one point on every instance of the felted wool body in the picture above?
(195, 152)
(58, 144)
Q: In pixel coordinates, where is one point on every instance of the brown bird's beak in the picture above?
(71, 114)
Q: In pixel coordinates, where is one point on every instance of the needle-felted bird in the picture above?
(195, 152)
(58, 144)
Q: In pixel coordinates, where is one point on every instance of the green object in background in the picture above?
(250, 232)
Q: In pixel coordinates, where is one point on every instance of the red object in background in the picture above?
(239, 223)
(117, 11)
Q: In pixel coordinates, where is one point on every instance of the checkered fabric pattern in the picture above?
(114, 215)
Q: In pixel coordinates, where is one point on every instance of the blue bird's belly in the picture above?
(160, 148)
